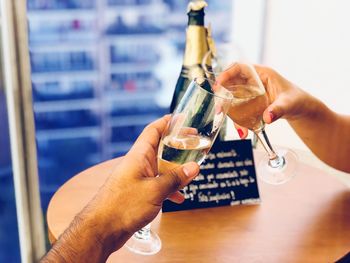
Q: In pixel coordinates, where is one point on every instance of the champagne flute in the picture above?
(192, 129)
(248, 104)
(221, 57)
(214, 62)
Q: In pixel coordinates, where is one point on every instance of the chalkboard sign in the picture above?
(227, 177)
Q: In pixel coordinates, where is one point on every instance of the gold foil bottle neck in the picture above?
(196, 5)
(196, 45)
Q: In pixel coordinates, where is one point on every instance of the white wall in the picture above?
(309, 43)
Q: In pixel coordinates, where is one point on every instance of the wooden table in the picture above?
(305, 220)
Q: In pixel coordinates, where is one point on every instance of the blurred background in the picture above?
(102, 70)
(308, 42)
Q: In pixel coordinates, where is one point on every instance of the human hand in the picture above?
(134, 192)
(286, 99)
(131, 197)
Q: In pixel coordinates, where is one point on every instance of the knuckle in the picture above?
(278, 111)
(175, 179)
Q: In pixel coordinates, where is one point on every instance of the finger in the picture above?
(238, 74)
(176, 197)
(261, 70)
(275, 111)
(188, 131)
(177, 122)
(152, 133)
(265, 73)
(242, 131)
(177, 178)
(225, 78)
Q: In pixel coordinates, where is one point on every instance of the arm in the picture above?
(325, 132)
(91, 237)
(131, 198)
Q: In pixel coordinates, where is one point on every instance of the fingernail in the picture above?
(190, 169)
(272, 116)
(240, 133)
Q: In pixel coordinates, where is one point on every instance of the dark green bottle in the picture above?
(195, 49)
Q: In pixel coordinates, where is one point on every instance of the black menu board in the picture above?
(227, 177)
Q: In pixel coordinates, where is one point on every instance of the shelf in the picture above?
(73, 75)
(139, 9)
(90, 45)
(133, 37)
(117, 96)
(119, 147)
(71, 39)
(62, 14)
(132, 120)
(66, 105)
(68, 133)
(89, 104)
(130, 67)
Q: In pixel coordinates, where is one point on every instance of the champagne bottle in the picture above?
(196, 47)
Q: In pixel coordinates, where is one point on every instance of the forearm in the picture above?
(87, 239)
(325, 132)
(78, 244)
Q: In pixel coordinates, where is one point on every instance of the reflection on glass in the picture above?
(249, 102)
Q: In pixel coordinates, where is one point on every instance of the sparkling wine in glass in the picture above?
(248, 104)
(194, 124)
(192, 129)
(179, 149)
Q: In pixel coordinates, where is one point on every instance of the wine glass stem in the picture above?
(144, 233)
(275, 160)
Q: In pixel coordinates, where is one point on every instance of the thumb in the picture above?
(275, 111)
(177, 178)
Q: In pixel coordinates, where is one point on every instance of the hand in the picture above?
(286, 99)
(134, 191)
(130, 198)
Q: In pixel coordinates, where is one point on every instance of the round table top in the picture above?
(305, 220)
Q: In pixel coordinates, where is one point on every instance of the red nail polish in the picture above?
(240, 133)
(272, 116)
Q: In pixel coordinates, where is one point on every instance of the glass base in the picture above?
(149, 245)
(280, 174)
